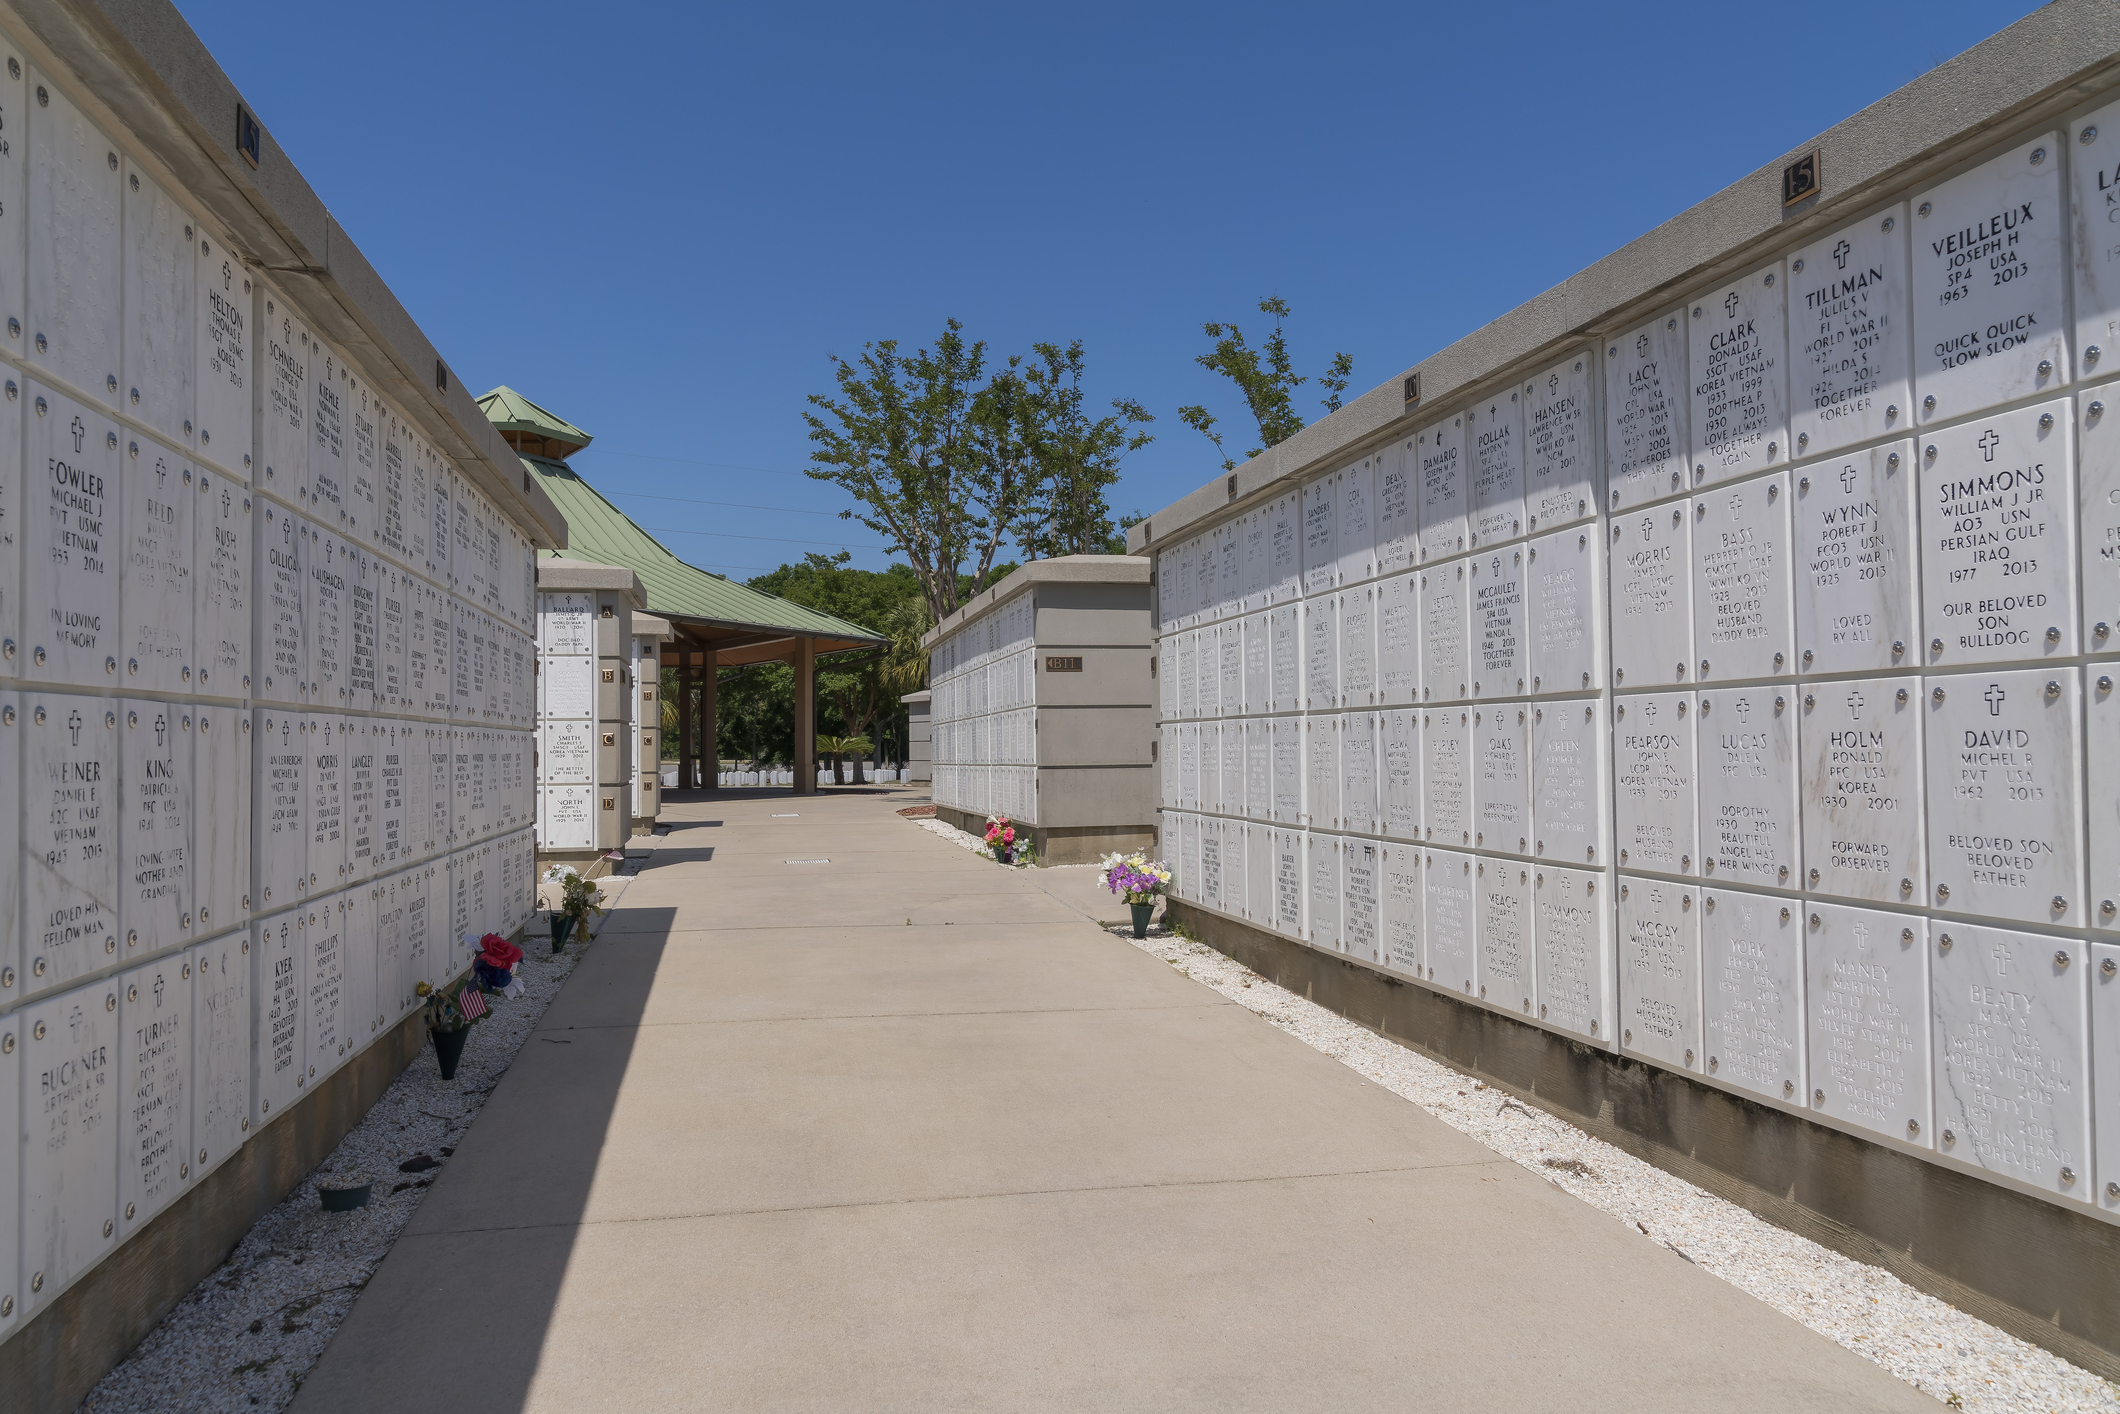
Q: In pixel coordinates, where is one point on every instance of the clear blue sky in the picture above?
(660, 220)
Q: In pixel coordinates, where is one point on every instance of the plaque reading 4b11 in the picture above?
(1997, 559)
(2005, 768)
(1989, 283)
(1854, 562)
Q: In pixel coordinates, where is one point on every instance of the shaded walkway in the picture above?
(904, 1130)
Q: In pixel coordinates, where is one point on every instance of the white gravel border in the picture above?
(245, 1337)
(964, 839)
(1964, 1362)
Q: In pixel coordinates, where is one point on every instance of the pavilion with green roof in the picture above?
(717, 622)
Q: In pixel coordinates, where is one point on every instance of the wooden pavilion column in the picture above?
(685, 753)
(805, 660)
(709, 726)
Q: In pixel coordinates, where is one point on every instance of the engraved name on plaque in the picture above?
(1740, 388)
(71, 1127)
(2099, 548)
(221, 613)
(1321, 654)
(1451, 911)
(1398, 510)
(1749, 816)
(1659, 972)
(1989, 283)
(1752, 994)
(1741, 580)
(283, 411)
(1498, 621)
(154, 1076)
(1646, 431)
(1403, 910)
(156, 578)
(1445, 624)
(1286, 863)
(220, 1048)
(1321, 524)
(1440, 474)
(1446, 784)
(1854, 559)
(1997, 559)
(1287, 750)
(1359, 801)
(1495, 447)
(155, 824)
(1848, 335)
(1321, 772)
(1398, 640)
(1284, 548)
(2012, 1039)
(1559, 488)
(70, 850)
(1284, 629)
(1568, 774)
(1564, 610)
(283, 552)
(1358, 646)
(1653, 762)
(1501, 777)
(1505, 976)
(1652, 596)
(72, 546)
(1572, 936)
(221, 355)
(1863, 825)
(2005, 771)
(1400, 768)
(1361, 865)
(1356, 538)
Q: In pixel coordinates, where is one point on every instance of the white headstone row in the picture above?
(1737, 692)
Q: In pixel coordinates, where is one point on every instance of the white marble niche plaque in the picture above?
(1750, 822)
(1287, 861)
(2012, 1039)
(75, 254)
(1740, 390)
(1997, 559)
(2099, 440)
(1398, 509)
(1452, 912)
(1654, 761)
(154, 1073)
(1284, 627)
(1505, 978)
(2102, 781)
(283, 627)
(2105, 1070)
(1445, 620)
(2005, 771)
(1446, 776)
(222, 576)
(158, 307)
(1361, 870)
(1230, 647)
(1358, 646)
(325, 1016)
(1399, 772)
(1866, 1031)
(1360, 798)
(1501, 777)
(1646, 430)
(1564, 610)
(1854, 562)
(1659, 972)
(1569, 802)
(324, 776)
(1321, 772)
(2094, 162)
(1284, 548)
(1742, 605)
(1990, 283)
(1652, 596)
(1440, 454)
(1355, 539)
(1403, 910)
(1258, 769)
(283, 401)
(1257, 688)
(1848, 335)
(1321, 654)
(1495, 448)
(71, 1135)
(1496, 586)
(72, 544)
(220, 1048)
(1572, 937)
(1321, 534)
(1752, 994)
(329, 391)
(1863, 822)
(156, 824)
(1287, 752)
(1398, 640)
(1559, 483)
(221, 354)
(70, 849)
(281, 812)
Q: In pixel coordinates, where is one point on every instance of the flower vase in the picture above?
(562, 924)
(1142, 913)
(449, 1049)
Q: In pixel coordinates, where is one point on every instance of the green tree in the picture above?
(932, 453)
(1267, 379)
(1078, 459)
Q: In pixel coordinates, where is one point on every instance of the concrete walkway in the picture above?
(905, 1131)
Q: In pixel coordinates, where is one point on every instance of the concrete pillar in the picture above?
(685, 755)
(709, 723)
(805, 660)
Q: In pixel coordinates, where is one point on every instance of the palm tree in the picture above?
(839, 746)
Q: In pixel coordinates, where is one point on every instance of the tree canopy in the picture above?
(1266, 378)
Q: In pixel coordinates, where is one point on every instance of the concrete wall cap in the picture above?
(912, 698)
(1061, 569)
(554, 575)
(649, 626)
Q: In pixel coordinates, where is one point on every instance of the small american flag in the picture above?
(471, 1002)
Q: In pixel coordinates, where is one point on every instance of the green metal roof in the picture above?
(601, 532)
(510, 411)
